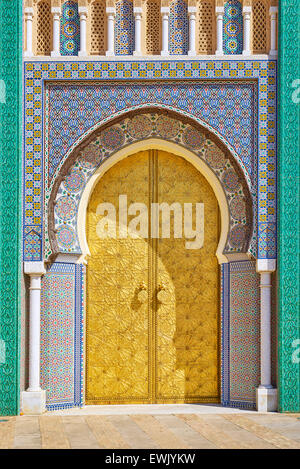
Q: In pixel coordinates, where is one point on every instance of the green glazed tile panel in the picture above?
(289, 199)
(10, 156)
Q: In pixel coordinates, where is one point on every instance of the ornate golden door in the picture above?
(152, 304)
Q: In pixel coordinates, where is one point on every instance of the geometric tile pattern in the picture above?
(135, 129)
(32, 242)
(11, 21)
(160, 73)
(178, 27)
(240, 334)
(62, 335)
(289, 208)
(231, 108)
(233, 27)
(124, 28)
(69, 29)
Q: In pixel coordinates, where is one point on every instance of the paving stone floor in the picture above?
(152, 428)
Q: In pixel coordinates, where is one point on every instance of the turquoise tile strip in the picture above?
(289, 206)
(233, 27)
(70, 29)
(10, 198)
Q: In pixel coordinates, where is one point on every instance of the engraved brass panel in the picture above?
(187, 324)
(152, 304)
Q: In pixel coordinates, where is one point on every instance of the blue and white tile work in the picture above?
(62, 335)
(178, 27)
(74, 109)
(242, 113)
(124, 27)
(240, 334)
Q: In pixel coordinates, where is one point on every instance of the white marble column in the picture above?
(273, 12)
(219, 15)
(192, 30)
(111, 14)
(34, 398)
(56, 14)
(165, 13)
(266, 395)
(137, 11)
(246, 30)
(83, 12)
(28, 12)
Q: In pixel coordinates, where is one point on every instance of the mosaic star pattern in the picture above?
(178, 28)
(76, 108)
(240, 334)
(233, 27)
(124, 28)
(70, 29)
(61, 335)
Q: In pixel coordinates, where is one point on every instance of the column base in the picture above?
(82, 53)
(55, 54)
(165, 53)
(33, 402)
(109, 53)
(28, 54)
(266, 399)
(219, 52)
(273, 53)
(192, 53)
(246, 53)
(137, 53)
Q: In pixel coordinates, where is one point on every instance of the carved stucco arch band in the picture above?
(137, 132)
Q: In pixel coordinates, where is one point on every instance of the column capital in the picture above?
(247, 10)
(165, 10)
(34, 268)
(137, 10)
(192, 10)
(111, 11)
(265, 265)
(28, 11)
(83, 11)
(56, 11)
(273, 10)
(219, 10)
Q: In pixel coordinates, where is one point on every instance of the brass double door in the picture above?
(152, 304)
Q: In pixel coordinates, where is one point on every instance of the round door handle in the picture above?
(162, 294)
(142, 294)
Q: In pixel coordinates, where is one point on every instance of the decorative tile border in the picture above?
(240, 334)
(73, 110)
(264, 71)
(289, 207)
(62, 335)
(10, 205)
